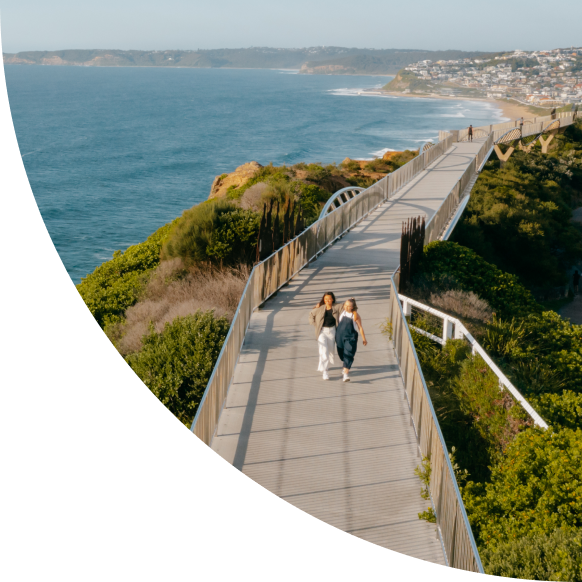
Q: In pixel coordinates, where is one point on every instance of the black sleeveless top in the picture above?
(328, 318)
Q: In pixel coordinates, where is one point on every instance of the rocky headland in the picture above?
(251, 184)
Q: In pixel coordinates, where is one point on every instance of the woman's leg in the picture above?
(325, 341)
(349, 351)
(323, 352)
(340, 352)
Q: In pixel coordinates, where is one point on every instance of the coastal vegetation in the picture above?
(407, 81)
(167, 303)
(553, 556)
(116, 284)
(218, 232)
(380, 62)
(521, 485)
(176, 363)
(518, 216)
(517, 481)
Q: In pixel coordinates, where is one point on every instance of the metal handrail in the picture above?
(477, 134)
(340, 196)
(568, 118)
(459, 543)
(509, 136)
(451, 517)
(454, 328)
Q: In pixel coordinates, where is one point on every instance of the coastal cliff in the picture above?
(313, 60)
(249, 186)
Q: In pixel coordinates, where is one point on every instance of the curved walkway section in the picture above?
(343, 452)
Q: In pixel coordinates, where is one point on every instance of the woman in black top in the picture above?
(324, 316)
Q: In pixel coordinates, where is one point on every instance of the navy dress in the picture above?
(346, 338)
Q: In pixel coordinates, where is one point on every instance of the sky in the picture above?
(192, 24)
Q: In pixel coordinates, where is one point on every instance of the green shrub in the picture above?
(268, 174)
(496, 416)
(449, 265)
(427, 322)
(379, 165)
(351, 166)
(555, 555)
(560, 340)
(560, 410)
(505, 339)
(116, 284)
(361, 181)
(441, 368)
(533, 376)
(234, 239)
(318, 173)
(311, 198)
(426, 348)
(518, 216)
(534, 489)
(176, 364)
(219, 233)
(542, 352)
(398, 160)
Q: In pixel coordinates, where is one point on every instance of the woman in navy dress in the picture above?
(346, 336)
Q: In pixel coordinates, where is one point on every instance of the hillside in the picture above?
(379, 62)
(314, 60)
(407, 82)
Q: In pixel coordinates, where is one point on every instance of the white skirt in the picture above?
(326, 342)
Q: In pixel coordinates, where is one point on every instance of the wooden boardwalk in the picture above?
(343, 452)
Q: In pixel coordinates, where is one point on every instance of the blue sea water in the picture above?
(112, 154)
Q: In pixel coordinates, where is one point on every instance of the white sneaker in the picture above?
(346, 378)
(325, 376)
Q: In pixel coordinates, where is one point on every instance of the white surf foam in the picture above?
(359, 93)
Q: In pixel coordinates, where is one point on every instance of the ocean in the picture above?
(112, 154)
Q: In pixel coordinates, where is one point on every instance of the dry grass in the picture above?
(463, 304)
(174, 291)
(253, 198)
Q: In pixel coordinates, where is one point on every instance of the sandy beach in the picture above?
(515, 110)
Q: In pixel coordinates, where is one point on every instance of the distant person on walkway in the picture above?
(325, 317)
(576, 280)
(521, 124)
(346, 336)
(470, 134)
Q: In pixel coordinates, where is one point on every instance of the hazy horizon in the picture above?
(34, 25)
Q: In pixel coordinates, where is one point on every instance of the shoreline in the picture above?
(509, 110)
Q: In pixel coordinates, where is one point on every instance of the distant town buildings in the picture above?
(547, 78)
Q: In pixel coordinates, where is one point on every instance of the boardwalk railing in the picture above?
(451, 517)
(461, 550)
(454, 328)
(275, 271)
(531, 125)
(459, 543)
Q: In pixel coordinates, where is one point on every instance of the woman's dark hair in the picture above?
(322, 302)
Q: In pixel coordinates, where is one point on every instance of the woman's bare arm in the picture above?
(359, 324)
